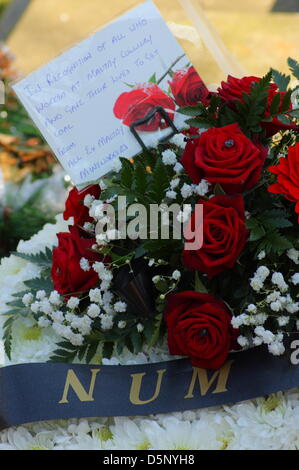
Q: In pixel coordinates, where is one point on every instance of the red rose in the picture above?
(232, 90)
(224, 235)
(199, 326)
(137, 103)
(287, 172)
(74, 206)
(67, 275)
(226, 156)
(188, 88)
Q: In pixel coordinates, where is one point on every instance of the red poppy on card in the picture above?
(139, 102)
(188, 88)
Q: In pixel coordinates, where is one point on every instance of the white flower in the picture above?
(95, 295)
(120, 306)
(261, 255)
(292, 307)
(169, 157)
(278, 280)
(176, 275)
(262, 272)
(55, 298)
(178, 168)
(46, 307)
(186, 190)
(93, 311)
(179, 140)
(106, 321)
(27, 299)
(171, 194)
(243, 341)
(41, 294)
(251, 308)
(174, 183)
(88, 227)
(276, 348)
(140, 327)
(122, 324)
(276, 306)
(73, 303)
(88, 200)
(283, 320)
(293, 255)
(43, 322)
(295, 279)
(202, 188)
(57, 316)
(35, 307)
(84, 264)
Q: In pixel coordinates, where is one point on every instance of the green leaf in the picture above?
(275, 104)
(139, 178)
(160, 182)
(153, 78)
(40, 284)
(294, 67)
(286, 101)
(107, 349)
(275, 242)
(200, 123)
(191, 110)
(198, 285)
(156, 334)
(136, 339)
(91, 352)
(7, 336)
(281, 80)
(294, 113)
(42, 259)
(256, 233)
(218, 189)
(126, 173)
(283, 119)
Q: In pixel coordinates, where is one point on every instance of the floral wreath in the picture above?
(240, 289)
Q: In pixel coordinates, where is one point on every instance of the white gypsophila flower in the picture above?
(283, 320)
(236, 321)
(73, 303)
(140, 327)
(256, 284)
(43, 322)
(176, 275)
(262, 273)
(273, 296)
(179, 140)
(106, 321)
(261, 255)
(95, 295)
(76, 339)
(171, 194)
(186, 190)
(88, 200)
(295, 279)
(292, 307)
(57, 316)
(278, 280)
(251, 308)
(35, 307)
(120, 306)
(46, 307)
(27, 299)
(174, 183)
(202, 188)
(257, 341)
(41, 294)
(243, 341)
(178, 168)
(276, 306)
(293, 255)
(122, 324)
(261, 318)
(276, 348)
(151, 262)
(107, 297)
(93, 311)
(169, 157)
(55, 298)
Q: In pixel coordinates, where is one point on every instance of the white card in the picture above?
(77, 100)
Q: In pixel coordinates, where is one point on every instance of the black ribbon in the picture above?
(47, 391)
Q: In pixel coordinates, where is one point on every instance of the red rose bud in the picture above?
(233, 89)
(188, 88)
(140, 101)
(67, 275)
(287, 172)
(224, 235)
(226, 156)
(74, 206)
(199, 326)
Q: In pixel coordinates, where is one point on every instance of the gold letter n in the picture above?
(73, 381)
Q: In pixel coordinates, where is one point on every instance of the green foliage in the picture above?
(281, 80)
(42, 259)
(294, 67)
(7, 336)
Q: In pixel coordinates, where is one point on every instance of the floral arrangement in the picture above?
(101, 292)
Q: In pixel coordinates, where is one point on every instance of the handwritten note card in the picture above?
(84, 101)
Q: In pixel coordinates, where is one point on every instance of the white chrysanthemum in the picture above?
(21, 439)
